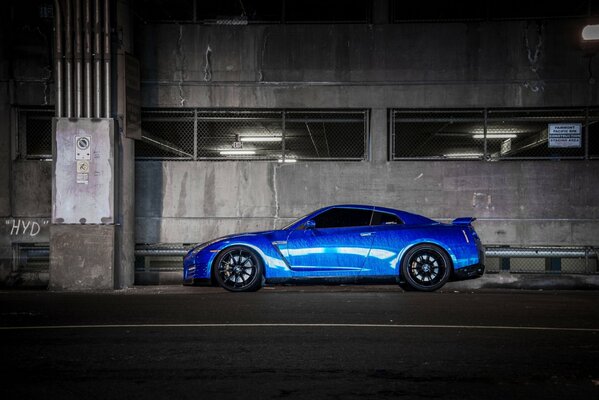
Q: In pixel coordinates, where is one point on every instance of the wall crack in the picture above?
(181, 66)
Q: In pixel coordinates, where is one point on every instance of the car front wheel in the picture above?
(425, 267)
(238, 269)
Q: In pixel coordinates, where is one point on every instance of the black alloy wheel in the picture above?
(426, 267)
(238, 269)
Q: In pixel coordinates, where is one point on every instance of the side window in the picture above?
(343, 217)
(383, 218)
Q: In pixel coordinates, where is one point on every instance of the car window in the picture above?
(343, 217)
(383, 218)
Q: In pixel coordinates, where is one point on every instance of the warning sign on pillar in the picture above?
(83, 178)
(83, 171)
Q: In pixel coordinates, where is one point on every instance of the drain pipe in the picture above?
(97, 63)
(87, 60)
(107, 59)
(78, 77)
(68, 61)
(58, 57)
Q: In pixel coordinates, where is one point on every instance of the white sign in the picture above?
(506, 146)
(83, 178)
(82, 151)
(565, 135)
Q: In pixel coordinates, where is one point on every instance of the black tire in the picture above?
(425, 267)
(238, 269)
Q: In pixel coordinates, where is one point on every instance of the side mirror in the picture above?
(310, 224)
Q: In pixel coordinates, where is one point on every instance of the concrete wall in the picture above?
(25, 186)
(479, 64)
(516, 203)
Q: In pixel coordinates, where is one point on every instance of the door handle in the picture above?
(366, 233)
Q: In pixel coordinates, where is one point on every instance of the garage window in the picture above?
(278, 135)
(34, 132)
(493, 134)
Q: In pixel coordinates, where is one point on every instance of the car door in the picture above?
(339, 241)
(389, 237)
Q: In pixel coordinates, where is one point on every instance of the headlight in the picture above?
(193, 252)
(197, 249)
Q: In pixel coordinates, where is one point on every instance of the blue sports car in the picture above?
(342, 244)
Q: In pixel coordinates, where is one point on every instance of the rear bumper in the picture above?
(469, 272)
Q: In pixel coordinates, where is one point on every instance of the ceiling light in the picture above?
(463, 155)
(505, 129)
(288, 160)
(237, 152)
(496, 136)
(590, 32)
(260, 138)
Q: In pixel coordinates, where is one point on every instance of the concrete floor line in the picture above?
(301, 325)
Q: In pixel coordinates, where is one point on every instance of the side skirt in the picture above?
(372, 280)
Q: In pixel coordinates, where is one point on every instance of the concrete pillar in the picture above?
(5, 153)
(83, 230)
(378, 135)
(125, 174)
(92, 236)
(5, 164)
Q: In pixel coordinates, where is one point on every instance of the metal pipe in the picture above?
(58, 57)
(68, 61)
(87, 60)
(107, 59)
(97, 63)
(78, 77)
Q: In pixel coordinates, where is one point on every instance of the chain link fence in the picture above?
(34, 126)
(432, 134)
(282, 135)
(193, 134)
(494, 134)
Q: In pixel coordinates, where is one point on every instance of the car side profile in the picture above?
(342, 244)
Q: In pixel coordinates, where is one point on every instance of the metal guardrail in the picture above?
(579, 260)
(162, 251)
(541, 252)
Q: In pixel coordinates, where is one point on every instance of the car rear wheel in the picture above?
(425, 267)
(238, 269)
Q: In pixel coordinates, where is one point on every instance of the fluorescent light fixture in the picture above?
(495, 136)
(237, 152)
(288, 160)
(590, 32)
(463, 155)
(501, 130)
(260, 138)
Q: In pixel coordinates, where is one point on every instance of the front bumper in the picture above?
(470, 272)
(197, 282)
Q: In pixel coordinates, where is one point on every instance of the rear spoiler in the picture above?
(463, 221)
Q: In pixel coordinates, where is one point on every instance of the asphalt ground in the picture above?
(333, 342)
